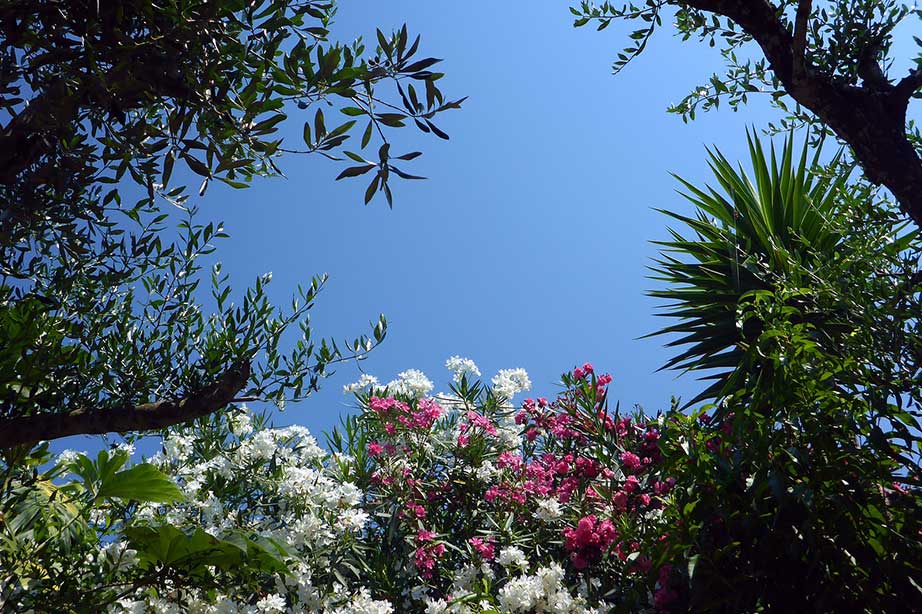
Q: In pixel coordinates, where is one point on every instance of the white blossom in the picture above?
(548, 510)
(460, 367)
(271, 604)
(68, 456)
(365, 382)
(240, 422)
(512, 558)
(362, 603)
(508, 382)
(486, 471)
(543, 591)
(411, 383)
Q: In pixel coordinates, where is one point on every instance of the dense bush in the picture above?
(449, 503)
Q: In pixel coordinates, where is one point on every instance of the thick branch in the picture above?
(870, 119)
(804, 7)
(910, 83)
(29, 430)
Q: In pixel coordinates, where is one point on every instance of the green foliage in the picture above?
(800, 488)
(47, 522)
(192, 553)
(841, 34)
(797, 499)
(100, 299)
(141, 483)
(782, 227)
(833, 251)
(825, 64)
(121, 323)
(96, 96)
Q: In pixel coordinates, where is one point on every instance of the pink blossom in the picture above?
(631, 483)
(630, 460)
(508, 460)
(619, 500)
(482, 422)
(423, 535)
(663, 488)
(589, 540)
(379, 405)
(485, 549)
(588, 467)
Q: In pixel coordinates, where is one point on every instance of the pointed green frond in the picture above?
(779, 218)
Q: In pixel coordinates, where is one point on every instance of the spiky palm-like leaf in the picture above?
(750, 233)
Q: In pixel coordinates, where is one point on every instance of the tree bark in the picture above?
(870, 118)
(29, 430)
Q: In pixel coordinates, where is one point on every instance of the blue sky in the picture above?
(528, 244)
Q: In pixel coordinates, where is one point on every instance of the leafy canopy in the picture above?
(831, 58)
(94, 96)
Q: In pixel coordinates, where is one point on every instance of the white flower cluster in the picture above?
(548, 510)
(279, 485)
(362, 603)
(508, 382)
(513, 558)
(411, 383)
(366, 383)
(460, 367)
(294, 495)
(414, 383)
(542, 592)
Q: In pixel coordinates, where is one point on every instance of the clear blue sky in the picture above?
(528, 245)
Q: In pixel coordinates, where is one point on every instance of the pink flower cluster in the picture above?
(427, 553)
(485, 549)
(540, 421)
(581, 372)
(578, 472)
(393, 412)
(589, 540)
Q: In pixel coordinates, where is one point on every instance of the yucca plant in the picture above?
(801, 488)
(780, 225)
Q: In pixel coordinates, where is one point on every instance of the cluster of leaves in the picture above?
(46, 525)
(100, 305)
(747, 235)
(110, 323)
(95, 96)
(802, 484)
(803, 496)
(844, 41)
(839, 33)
